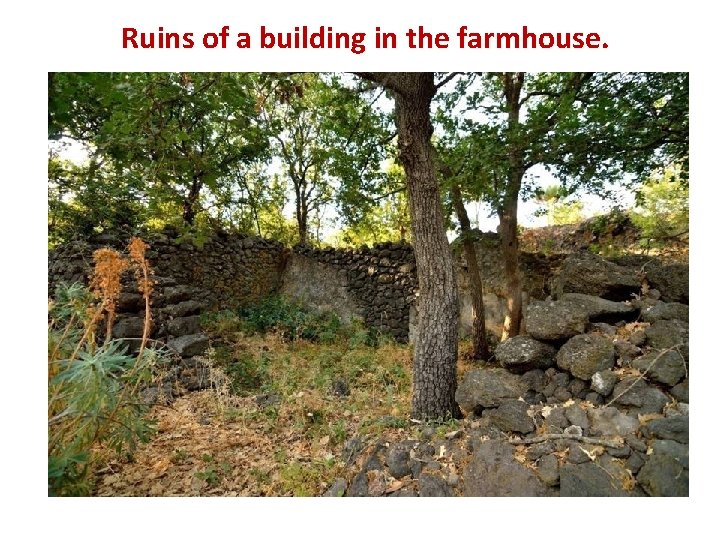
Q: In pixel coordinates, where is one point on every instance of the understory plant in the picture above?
(93, 381)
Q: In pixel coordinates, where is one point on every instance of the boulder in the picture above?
(183, 326)
(523, 353)
(665, 334)
(590, 479)
(182, 309)
(674, 449)
(128, 327)
(433, 486)
(586, 354)
(587, 273)
(676, 428)
(494, 472)
(672, 280)
(664, 367)
(191, 345)
(511, 415)
(548, 470)
(596, 307)
(639, 396)
(609, 422)
(603, 382)
(681, 391)
(488, 388)
(554, 320)
(664, 476)
(663, 311)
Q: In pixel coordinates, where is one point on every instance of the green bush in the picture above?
(294, 322)
(92, 393)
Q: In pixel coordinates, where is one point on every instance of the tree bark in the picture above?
(512, 86)
(435, 355)
(509, 245)
(191, 200)
(480, 350)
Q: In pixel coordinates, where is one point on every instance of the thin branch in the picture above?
(557, 436)
(449, 77)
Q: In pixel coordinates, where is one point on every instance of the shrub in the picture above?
(93, 388)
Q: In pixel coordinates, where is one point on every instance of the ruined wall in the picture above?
(377, 285)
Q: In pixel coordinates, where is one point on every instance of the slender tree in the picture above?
(435, 354)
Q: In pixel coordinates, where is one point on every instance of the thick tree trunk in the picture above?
(301, 214)
(435, 355)
(480, 349)
(512, 86)
(509, 243)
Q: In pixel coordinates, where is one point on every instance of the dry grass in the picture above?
(223, 442)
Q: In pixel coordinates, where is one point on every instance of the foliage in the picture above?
(93, 388)
(293, 321)
(328, 139)
(662, 210)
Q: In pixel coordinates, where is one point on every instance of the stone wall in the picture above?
(377, 285)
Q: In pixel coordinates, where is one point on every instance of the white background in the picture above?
(86, 36)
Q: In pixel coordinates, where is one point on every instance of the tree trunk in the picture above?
(509, 245)
(301, 213)
(480, 350)
(191, 200)
(435, 355)
(512, 86)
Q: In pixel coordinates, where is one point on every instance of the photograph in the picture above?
(367, 283)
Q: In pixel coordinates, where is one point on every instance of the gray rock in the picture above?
(535, 379)
(511, 415)
(672, 280)
(578, 388)
(488, 388)
(179, 293)
(523, 353)
(635, 462)
(664, 476)
(128, 327)
(548, 469)
(577, 416)
(130, 302)
(493, 472)
(666, 334)
(337, 489)
(595, 307)
(666, 311)
(675, 428)
(665, 367)
(639, 396)
(576, 454)
(398, 460)
(557, 420)
(182, 309)
(602, 328)
(589, 480)
(554, 320)
(340, 388)
(433, 486)
(359, 485)
(538, 450)
(594, 398)
(626, 350)
(681, 391)
(674, 449)
(352, 449)
(183, 326)
(603, 382)
(186, 346)
(609, 421)
(585, 355)
(590, 274)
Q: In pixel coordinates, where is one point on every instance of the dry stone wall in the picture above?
(377, 285)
